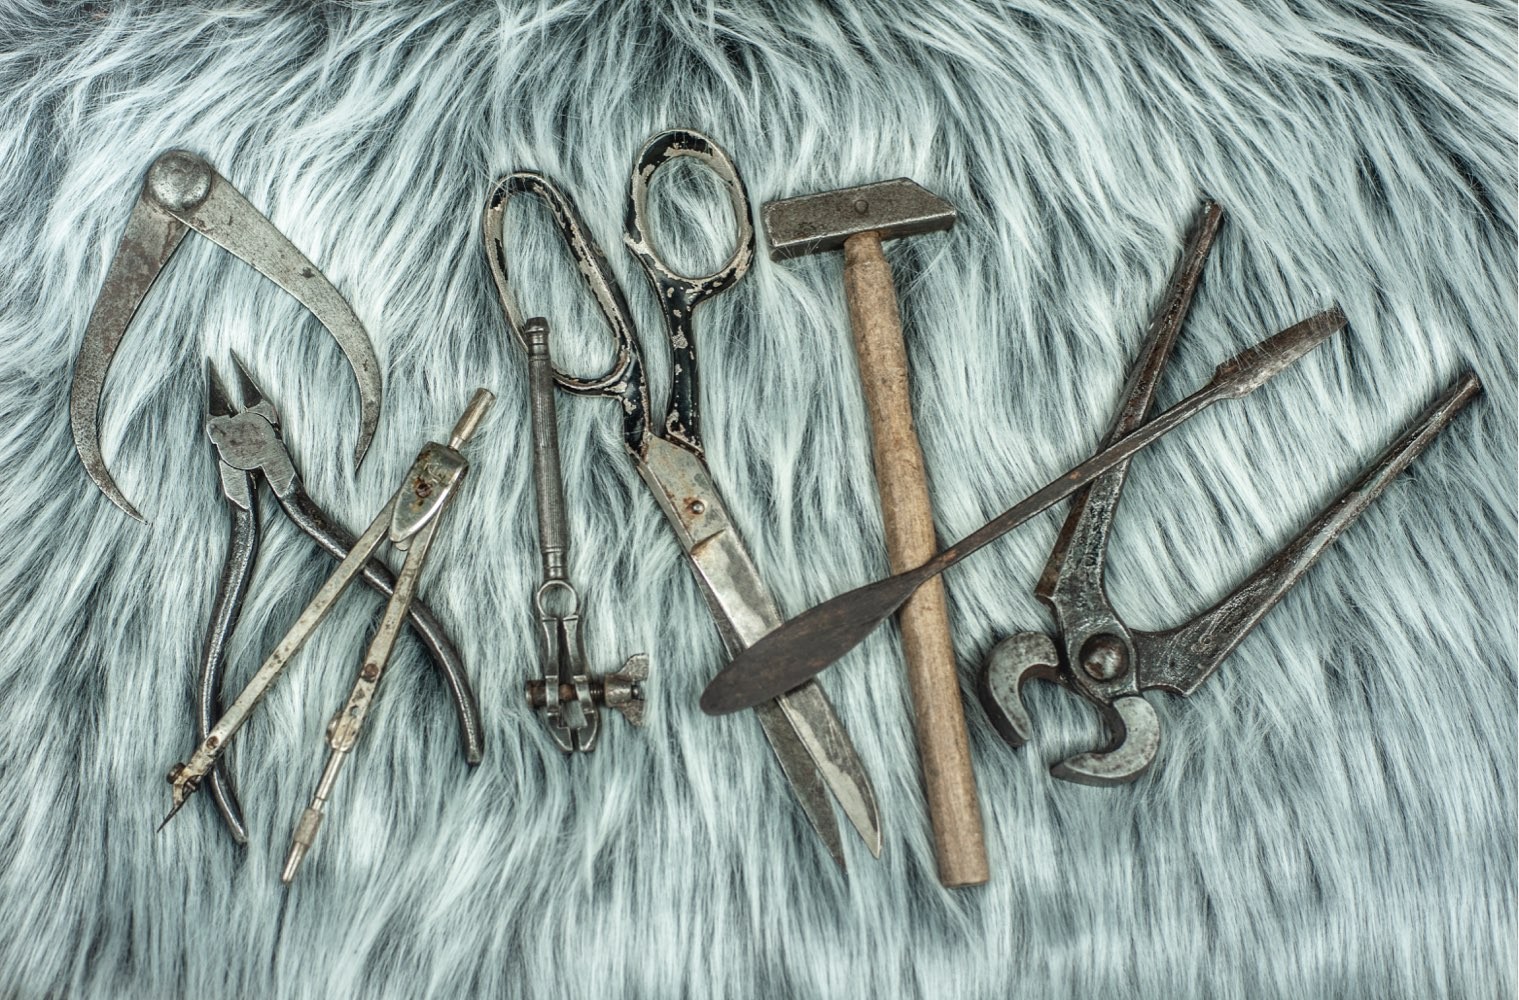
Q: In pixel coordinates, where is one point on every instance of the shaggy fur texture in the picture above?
(1332, 814)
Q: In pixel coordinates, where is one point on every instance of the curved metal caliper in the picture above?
(182, 191)
(1102, 659)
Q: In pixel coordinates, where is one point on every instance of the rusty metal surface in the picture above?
(818, 223)
(622, 691)
(181, 191)
(816, 638)
(410, 521)
(1179, 660)
(809, 741)
(1096, 655)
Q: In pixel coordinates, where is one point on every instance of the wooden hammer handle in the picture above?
(943, 745)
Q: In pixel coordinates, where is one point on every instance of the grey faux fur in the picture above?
(1332, 815)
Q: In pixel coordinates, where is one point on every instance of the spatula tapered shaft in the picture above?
(813, 640)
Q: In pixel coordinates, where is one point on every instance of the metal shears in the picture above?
(814, 750)
(1100, 658)
(182, 192)
(250, 448)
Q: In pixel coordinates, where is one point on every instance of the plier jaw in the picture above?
(247, 439)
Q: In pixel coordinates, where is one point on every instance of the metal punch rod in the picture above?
(553, 527)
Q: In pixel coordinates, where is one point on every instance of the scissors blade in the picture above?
(817, 726)
(744, 611)
(151, 238)
(804, 776)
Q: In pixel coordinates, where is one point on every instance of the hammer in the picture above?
(858, 220)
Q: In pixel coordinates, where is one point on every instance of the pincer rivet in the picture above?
(1104, 657)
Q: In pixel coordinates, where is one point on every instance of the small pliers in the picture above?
(249, 447)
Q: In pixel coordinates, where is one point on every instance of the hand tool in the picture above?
(409, 521)
(857, 220)
(567, 694)
(814, 750)
(250, 448)
(1097, 655)
(817, 637)
(180, 192)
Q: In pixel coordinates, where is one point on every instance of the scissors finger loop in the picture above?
(669, 283)
(590, 261)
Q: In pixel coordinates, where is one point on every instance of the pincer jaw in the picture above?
(1032, 655)
(1135, 743)
(1014, 662)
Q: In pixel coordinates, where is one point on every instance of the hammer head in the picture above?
(817, 223)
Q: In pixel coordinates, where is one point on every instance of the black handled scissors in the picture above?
(814, 750)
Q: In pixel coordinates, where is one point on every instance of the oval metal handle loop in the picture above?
(676, 289)
(589, 260)
(569, 595)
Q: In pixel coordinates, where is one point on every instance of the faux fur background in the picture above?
(1333, 815)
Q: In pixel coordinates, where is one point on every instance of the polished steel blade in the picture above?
(744, 611)
(804, 775)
